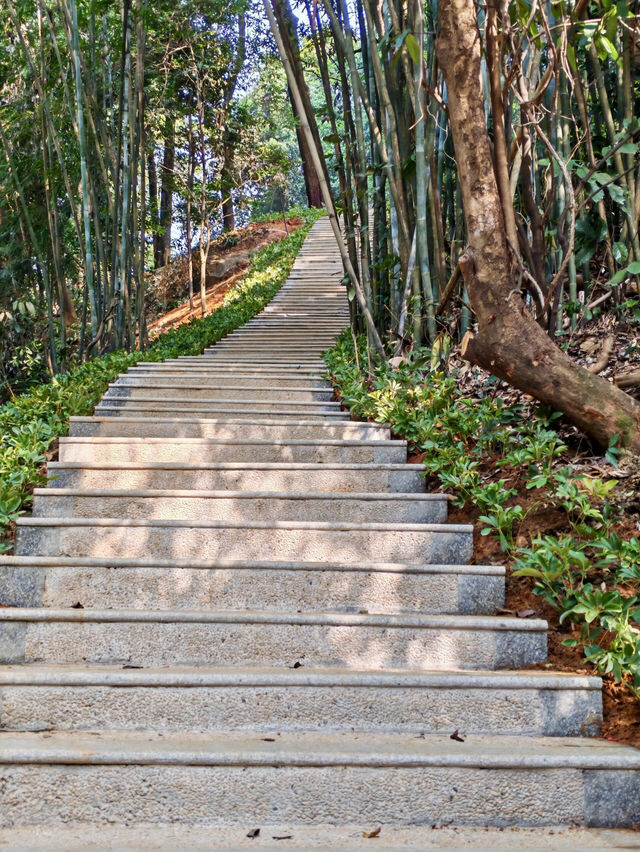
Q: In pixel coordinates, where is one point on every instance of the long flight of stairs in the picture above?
(235, 607)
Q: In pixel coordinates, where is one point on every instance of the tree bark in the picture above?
(166, 193)
(287, 26)
(229, 140)
(154, 213)
(226, 184)
(509, 342)
(311, 182)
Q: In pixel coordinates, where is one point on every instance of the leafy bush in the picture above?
(31, 421)
(589, 575)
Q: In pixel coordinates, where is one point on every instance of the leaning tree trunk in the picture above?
(508, 341)
(311, 182)
(287, 23)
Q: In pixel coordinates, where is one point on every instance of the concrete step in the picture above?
(308, 305)
(198, 450)
(306, 326)
(247, 354)
(282, 330)
(237, 779)
(271, 349)
(237, 411)
(259, 337)
(239, 505)
(293, 358)
(318, 541)
(124, 583)
(210, 357)
(247, 401)
(348, 838)
(196, 394)
(229, 372)
(299, 312)
(262, 476)
(213, 358)
(230, 427)
(187, 381)
(39, 698)
(241, 638)
(257, 334)
(228, 367)
(302, 346)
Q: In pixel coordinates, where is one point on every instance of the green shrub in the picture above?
(461, 437)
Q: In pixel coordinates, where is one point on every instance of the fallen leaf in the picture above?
(525, 613)
(374, 833)
(268, 739)
(456, 736)
(253, 833)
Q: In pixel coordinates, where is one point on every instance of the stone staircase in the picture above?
(234, 607)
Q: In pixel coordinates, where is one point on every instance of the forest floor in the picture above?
(229, 258)
(586, 346)
(621, 707)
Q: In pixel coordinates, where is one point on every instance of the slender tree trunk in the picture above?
(166, 193)
(191, 167)
(508, 341)
(226, 182)
(154, 213)
(229, 140)
(88, 248)
(287, 26)
(140, 162)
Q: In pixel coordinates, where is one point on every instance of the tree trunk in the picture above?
(226, 183)
(166, 193)
(311, 182)
(153, 206)
(509, 342)
(287, 26)
(191, 167)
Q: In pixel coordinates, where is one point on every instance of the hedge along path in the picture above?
(235, 607)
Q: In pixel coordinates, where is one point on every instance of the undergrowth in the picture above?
(589, 574)
(29, 423)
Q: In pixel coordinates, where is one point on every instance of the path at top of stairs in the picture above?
(233, 607)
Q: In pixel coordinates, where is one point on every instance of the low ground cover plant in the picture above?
(29, 423)
(488, 454)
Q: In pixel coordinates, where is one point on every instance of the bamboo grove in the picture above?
(560, 90)
(557, 86)
(121, 126)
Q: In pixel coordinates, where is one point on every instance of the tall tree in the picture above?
(288, 30)
(508, 341)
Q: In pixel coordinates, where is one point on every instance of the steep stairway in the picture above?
(234, 607)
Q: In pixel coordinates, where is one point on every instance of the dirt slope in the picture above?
(229, 258)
